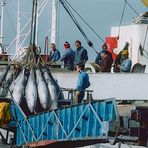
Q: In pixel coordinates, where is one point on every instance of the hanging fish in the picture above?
(60, 95)
(9, 80)
(3, 92)
(4, 74)
(52, 91)
(16, 74)
(31, 91)
(5, 85)
(42, 90)
(19, 87)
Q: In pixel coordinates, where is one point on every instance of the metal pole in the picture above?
(54, 21)
(2, 24)
(2, 21)
(18, 30)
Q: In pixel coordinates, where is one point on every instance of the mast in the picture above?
(3, 2)
(54, 21)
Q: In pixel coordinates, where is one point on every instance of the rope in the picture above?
(85, 22)
(77, 24)
(131, 7)
(122, 18)
(74, 20)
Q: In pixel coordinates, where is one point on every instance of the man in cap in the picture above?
(68, 57)
(82, 83)
(119, 59)
(126, 62)
(54, 54)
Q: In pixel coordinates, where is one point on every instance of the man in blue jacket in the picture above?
(82, 83)
(80, 54)
(54, 54)
(68, 57)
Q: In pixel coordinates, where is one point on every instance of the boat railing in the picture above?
(69, 94)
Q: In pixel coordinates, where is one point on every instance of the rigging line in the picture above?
(122, 17)
(85, 21)
(79, 27)
(145, 37)
(10, 20)
(131, 7)
(75, 21)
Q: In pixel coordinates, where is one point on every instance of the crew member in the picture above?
(54, 54)
(80, 53)
(82, 83)
(68, 57)
(126, 62)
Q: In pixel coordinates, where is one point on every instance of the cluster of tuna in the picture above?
(36, 85)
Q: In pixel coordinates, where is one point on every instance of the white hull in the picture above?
(108, 85)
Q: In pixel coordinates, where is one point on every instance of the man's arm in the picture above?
(84, 55)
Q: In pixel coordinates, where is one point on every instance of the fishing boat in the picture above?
(27, 133)
(119, 81)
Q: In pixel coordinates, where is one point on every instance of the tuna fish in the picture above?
(3, 90)
(9, 80)
(31, 91)
(60, 95)
(19, 87)
(52, 90)
(5, 85)
(14, 79)
(4, 74)
(42, 89)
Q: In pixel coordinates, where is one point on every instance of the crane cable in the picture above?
(131, 7)
(77, 24)
(125, 4)
(122, 17)
(74, 19)
(85, 21)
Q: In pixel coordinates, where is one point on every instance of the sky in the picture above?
(101, 15)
